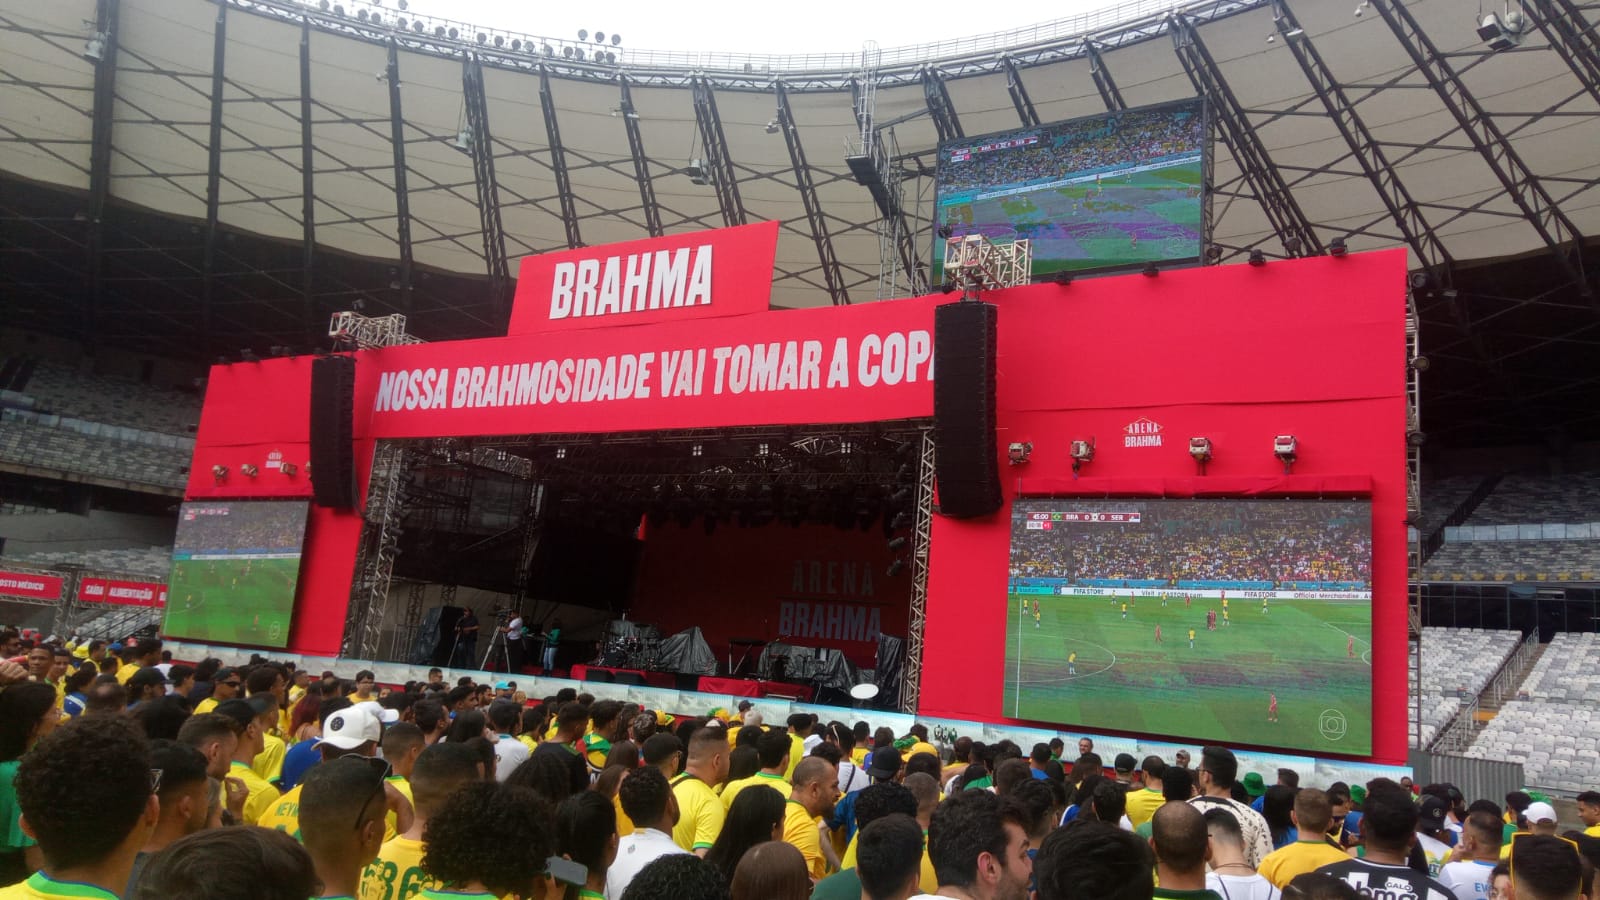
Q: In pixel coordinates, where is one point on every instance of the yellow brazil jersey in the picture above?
(624, 824)
(284, 815)
(269, 762)
(125, 673)
(205, 706)
(797, 752)
(776, 782)
(929, 882)
(1592, 831)
(800, 832)
(404, 787)
(700, 813)
(262, 794)
(1282, 865)
(40, 886)
(397, 872)
(1142, 804)
(858, 755)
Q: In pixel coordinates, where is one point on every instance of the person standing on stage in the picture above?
(466, 640)
(552, 642)
(515, 633)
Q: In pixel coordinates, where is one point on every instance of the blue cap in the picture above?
(115, 646)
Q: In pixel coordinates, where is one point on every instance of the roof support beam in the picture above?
(1563, 239)
(937, 96)
(481, 148)
(558, 161)
(1019, 94)
(308, 196)
(402, 202)
(105, 99)
(1102, 77)
(1288, 220)
(808, 197)
(723, 177)
(1573, 39)
(208, 265)
(641, 162)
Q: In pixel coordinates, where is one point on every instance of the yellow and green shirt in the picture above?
(776, 782)
(397, 872)
(800, 832)
(262, 794)
(269, 762)
(700, 813)
(40, 886)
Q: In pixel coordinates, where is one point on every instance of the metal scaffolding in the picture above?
(380, 539)
(921, 536)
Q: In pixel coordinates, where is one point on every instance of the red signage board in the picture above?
(725, 272)
(29, 585)
(122, 593)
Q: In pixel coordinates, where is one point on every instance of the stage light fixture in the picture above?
(453, 34)
(1420, 363)
(1200, 449)
(289, 469)
(1150, 270)
(1503, 33)
(500, 41)
(338, 10)
(901, 495)
(1062, 278)
(583, 34)
(945, 231)
(616, 39)
(599, 37)
(899, 543)
(1258, 258)
(219, 472)
(1416, 438)
(1420, 280)
(482, 38)
(697, 172)
(1291, 245)
(95, 48)
(1286, 449)
(763, 449)
(1213, 253)
(249, 470)
(516, 45)
(949, 287)
(561, 453)
(361, 16)
(463, 141)
(1362, 7)
(549, 50)
(1337, 247)
(900, 520)
(326, 5)
(773, 127)
(1019, 452)
(1082, 453)
(697, 450)
(896, 567)
(404, 5)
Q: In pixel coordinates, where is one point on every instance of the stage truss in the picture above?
(911, 686)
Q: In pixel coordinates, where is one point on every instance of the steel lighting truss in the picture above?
(88, 253)
(369, 332)
(974, 262)
(911, 687)
(369, 592)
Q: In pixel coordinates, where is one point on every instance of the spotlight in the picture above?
(1285, 448)
(616, 39)
(697, 450)
(1082, 453)
(219, 472)
(697, 172)
(454, 34)
(612, 58)
(95, 48)
(945, 231)
(1416, 438)
(463, 141)
(404, 5)
(1019, 453)
(1150, 270)
(361, 16)
(516, 44)
(583, 34)
(1213, 253)
(896, 567)
(561, 453)
(484, 38)
(358, 304)
(1362, 7)
(1291, 245)
(438, 31)
(1502, 34)
(1420, 363)
(901, 495)
(550, 51)
(1200, 449)
(763, 449)
(326, 5)
(249, 355)
(289, 469)
(1257, 258)
(1062, 278)
(899, 543)
(599, 37)
(338, 10)
(249, 470)
(1337, 247)
(773, 127)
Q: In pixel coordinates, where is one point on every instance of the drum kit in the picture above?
(631, 645)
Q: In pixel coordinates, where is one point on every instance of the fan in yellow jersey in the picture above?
(397, 872)
(225, 686)
(816, 790)
(342, 805)
(261, 794)
(772, 749)
(88, 828)
(700, 810)
(349, 732)
(602, 731)
(467, 837)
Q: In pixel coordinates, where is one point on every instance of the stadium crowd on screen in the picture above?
(125, 775)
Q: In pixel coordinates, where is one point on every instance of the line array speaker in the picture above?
(967, 467)
(333, 468)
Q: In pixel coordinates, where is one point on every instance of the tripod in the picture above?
(504, 659)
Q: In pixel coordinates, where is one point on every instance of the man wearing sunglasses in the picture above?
(341, 843)
(226, 685)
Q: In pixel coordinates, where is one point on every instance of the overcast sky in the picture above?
(754, 26)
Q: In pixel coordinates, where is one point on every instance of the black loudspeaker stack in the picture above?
(968, 466)
(333, 464)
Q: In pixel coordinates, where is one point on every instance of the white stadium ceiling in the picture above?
(1385, 123)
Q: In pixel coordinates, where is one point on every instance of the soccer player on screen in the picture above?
(1191, 639)
(1272, 708)
(1224, 599)
(1264, 610)
(1072, 663)
(1350, 647)
(1224, 618)
(1158, 635)
(1188, 600)
(1124, 610)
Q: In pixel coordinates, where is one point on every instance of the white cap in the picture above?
(386, 716)
(1540, 812)
(348, 729)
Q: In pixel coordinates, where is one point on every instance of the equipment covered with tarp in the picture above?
(818, 666)
(687, 653)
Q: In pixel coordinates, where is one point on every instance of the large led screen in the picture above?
(1109, 191)
(1235, 621)
(235, 565)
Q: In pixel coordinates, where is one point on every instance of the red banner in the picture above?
(834, 364)
(122, 593)
(29, 585)
(726, 272)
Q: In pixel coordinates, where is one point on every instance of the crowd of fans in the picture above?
(239, 527)
(1120, 139)
(124, 775)
(1280, 548)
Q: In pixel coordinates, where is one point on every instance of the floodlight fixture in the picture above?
(698, 172)
(1200, 449)
(249, 470)
(1362, 7)
(1416, 438)
(561, 453)
(1420, 363)
(1082, 453)
(484, 38)
(463, 141)
(945, 231)
(1020, 452)
(1503, 32)
(404, 5)
(697, 450)
(219, 472)
(1286, 449)
(1258, 258)
(289, 469)
(454, 34)
(1213, 253)
(896, 567)
(763, 449)
(358, 304)
(899, 543)
(583, 34)
(95, 48)
(1291, 245)
(616, 39)
(1337, 247)
(773, 127)
(599, 37)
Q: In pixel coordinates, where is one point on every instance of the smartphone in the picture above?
(566, 871)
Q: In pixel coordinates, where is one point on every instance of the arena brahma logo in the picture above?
(1142, 432)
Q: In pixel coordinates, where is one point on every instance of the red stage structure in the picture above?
(1312, 347)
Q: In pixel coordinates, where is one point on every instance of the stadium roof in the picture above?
(193, 177)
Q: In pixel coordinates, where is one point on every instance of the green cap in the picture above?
(1358, 793)
(1254, 785)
